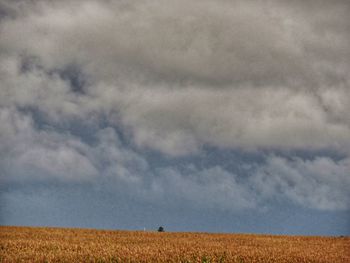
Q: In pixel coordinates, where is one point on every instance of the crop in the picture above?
(29, 244)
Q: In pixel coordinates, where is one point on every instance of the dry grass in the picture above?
(25, 244)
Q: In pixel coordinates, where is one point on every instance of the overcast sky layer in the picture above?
(228, 116)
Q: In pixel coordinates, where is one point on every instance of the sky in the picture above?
(214, 116)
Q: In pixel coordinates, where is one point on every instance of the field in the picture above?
(26, 244)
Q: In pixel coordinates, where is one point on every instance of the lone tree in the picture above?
(161, 229)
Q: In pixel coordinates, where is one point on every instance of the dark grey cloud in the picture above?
(176, 79)
(180, 75)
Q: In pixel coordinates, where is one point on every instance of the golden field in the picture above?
(29, 244)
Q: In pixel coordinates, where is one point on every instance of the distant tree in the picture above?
(161, 229)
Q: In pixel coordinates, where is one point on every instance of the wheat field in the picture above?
(32, 244)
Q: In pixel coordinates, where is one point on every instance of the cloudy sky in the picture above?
(224, 116)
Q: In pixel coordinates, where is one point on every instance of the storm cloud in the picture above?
(91, 91)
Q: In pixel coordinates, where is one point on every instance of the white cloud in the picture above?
(30, 154)
(178, 122)
(321, 183)
(212, 188)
